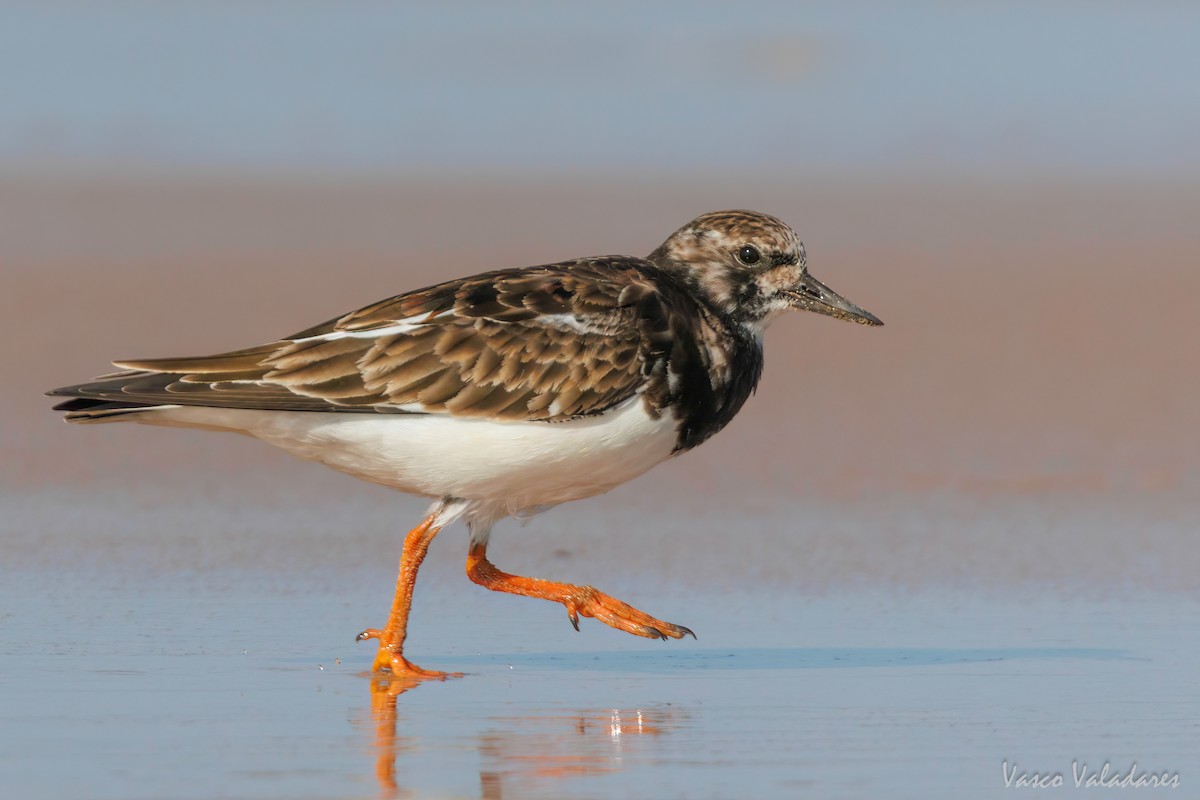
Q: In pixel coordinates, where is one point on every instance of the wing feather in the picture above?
(542, 343)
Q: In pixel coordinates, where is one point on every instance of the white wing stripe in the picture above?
(407, 325)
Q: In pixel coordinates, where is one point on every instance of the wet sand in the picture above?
(966, 537)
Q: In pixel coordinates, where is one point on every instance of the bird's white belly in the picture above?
(519, 464)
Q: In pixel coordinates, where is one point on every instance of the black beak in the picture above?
(812, 295)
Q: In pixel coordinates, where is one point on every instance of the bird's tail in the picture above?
(94, 401)
(87, 409)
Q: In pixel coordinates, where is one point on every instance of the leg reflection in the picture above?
(384, 691)
(527, 754)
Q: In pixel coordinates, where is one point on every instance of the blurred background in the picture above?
(699, 88)
(1014, 188)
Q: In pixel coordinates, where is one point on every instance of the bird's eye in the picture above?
(748, 255)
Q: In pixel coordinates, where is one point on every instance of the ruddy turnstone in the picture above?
(505, 393)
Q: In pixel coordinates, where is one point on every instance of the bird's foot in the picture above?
(389, 659)
(590, 602)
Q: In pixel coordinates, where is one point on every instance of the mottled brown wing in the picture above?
(542, 343)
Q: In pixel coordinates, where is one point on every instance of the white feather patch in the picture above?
(518, 465)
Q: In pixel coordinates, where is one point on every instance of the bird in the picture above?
(506, 393)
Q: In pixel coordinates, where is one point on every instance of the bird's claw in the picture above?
(391, 661)
(589, 602)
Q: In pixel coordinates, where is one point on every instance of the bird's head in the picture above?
(750, 267)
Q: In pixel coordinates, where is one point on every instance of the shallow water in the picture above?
(126, 684)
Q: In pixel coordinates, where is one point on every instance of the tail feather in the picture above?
(88, 409)
(86, 402)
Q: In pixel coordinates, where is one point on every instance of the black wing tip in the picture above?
(78, 404)
(80, 389)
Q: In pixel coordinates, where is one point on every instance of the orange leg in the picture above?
(391, 639)
(579, 600)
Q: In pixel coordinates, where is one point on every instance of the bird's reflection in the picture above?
(518, 751)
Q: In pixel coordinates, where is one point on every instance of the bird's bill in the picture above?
(812, 295)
